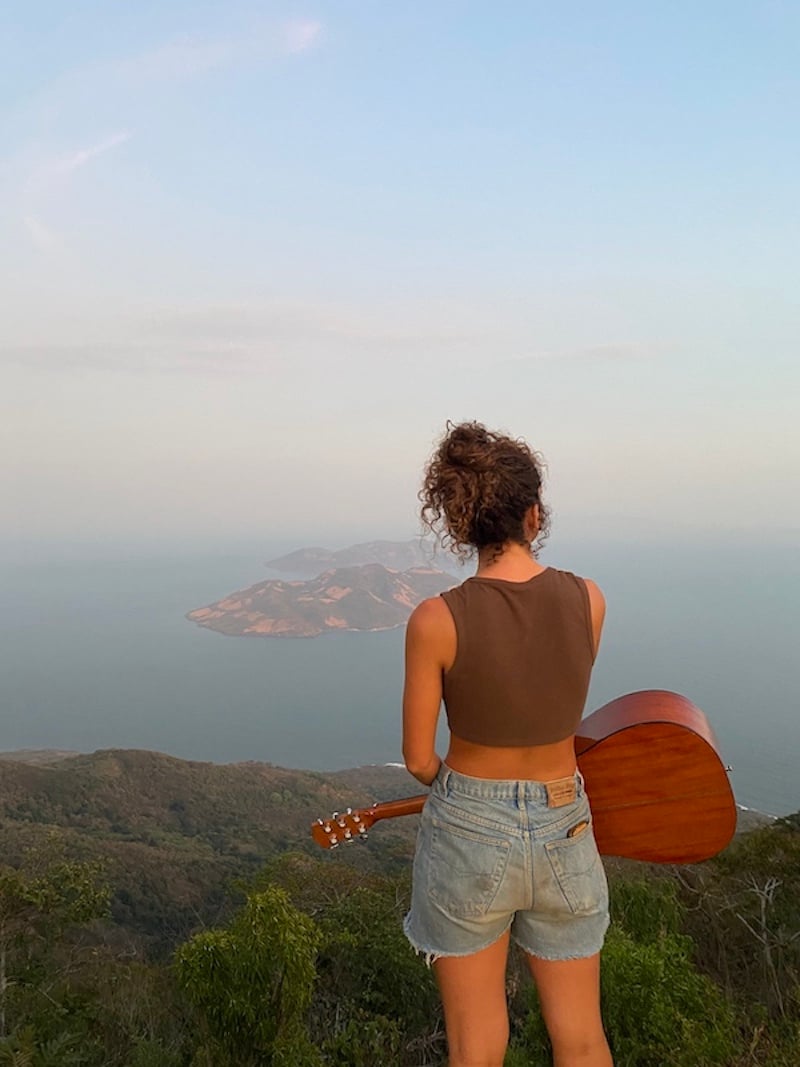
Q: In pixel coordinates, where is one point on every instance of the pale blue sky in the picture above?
(256, 254)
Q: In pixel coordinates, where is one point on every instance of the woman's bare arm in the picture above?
(430, 649)
(597, 604)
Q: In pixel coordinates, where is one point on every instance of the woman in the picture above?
(505, 846)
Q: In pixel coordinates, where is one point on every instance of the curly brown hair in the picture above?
(478, 486)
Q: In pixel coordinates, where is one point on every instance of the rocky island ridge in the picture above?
(358, 598)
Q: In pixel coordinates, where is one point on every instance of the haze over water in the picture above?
(99, 655)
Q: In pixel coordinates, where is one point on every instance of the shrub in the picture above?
(658, 1010)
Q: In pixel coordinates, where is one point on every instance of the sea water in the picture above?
(99, 655)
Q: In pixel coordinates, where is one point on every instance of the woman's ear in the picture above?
(532, 522)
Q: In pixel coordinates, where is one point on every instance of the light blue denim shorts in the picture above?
(491, 855)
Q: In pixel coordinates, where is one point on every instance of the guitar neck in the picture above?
(392, 808)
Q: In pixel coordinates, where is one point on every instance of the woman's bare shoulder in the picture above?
(431, 615)
(594, 591)
(431, 632)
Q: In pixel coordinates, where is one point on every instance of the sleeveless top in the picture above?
(524, 656)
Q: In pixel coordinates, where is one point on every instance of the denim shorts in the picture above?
(491, 854)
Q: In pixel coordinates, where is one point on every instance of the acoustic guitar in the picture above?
(658, 788)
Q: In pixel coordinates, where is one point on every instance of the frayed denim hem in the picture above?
(583, 955)
(431, 956)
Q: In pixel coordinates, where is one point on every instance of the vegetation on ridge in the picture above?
(207, 940)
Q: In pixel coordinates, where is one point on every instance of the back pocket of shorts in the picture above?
(579, 872)
(466, 869)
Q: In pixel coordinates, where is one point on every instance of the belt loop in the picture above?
(580, 782)
(442, 777)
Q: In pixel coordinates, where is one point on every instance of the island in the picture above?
(367, 597)
(395, 555)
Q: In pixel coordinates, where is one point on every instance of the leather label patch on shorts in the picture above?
(561, 791)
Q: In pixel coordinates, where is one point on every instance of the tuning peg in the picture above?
(349, 811)
(334, 814)
(356, 818)
(341, 822)
(348, 836)
(326, 826)
(320, 822)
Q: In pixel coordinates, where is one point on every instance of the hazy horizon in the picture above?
(581, 537)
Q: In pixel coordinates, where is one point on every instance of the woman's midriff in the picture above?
(540, 763)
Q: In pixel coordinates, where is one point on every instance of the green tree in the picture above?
(25, 1049)
(369, 965)
(252, 982)
(35, 909)
(374, 1001)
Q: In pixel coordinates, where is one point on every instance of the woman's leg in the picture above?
(569, 994)
(473, 990)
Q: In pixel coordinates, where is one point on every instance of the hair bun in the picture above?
(466, 446)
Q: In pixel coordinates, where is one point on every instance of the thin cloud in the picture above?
(612, 351)
(36, 190)
(301, 34)
(79, 159)
(238, 339)
(40, 233)
(178, 60)
(292, 325)
(191, 57)
(127, 357)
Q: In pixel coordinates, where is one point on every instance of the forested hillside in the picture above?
(156, 912)
(172, 833)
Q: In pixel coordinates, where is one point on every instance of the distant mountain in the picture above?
(39, 756)
(397, 555)
(132, 794)
(368, 597)
(172, 833)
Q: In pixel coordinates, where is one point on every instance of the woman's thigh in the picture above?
(569, 995)
(473, 991)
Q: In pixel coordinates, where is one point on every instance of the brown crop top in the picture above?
(523, 659)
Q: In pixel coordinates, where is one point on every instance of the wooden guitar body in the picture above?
(658, 789)
(657, 786)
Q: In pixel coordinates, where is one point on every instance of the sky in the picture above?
(256, 255)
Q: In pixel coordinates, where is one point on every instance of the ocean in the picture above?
(99, 655)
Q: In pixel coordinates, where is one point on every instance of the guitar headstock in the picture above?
(343, 826)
